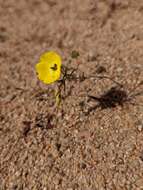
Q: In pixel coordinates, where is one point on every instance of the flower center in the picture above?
(54, 68)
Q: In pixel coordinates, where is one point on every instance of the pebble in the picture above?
(140, 126)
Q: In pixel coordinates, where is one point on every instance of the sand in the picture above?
(45, 148)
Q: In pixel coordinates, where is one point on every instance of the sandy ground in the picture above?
(46, 149)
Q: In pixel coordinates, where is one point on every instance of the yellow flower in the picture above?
(49, 67)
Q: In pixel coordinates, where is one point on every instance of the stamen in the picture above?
(54, 67)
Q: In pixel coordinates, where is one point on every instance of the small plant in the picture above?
(74, 54)
(50, 70)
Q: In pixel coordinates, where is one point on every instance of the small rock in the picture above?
(100, 69)
(140, 126)
(83, 166)
(26, 128)
(141, 156)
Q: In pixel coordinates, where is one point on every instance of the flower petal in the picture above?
(49, 67)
